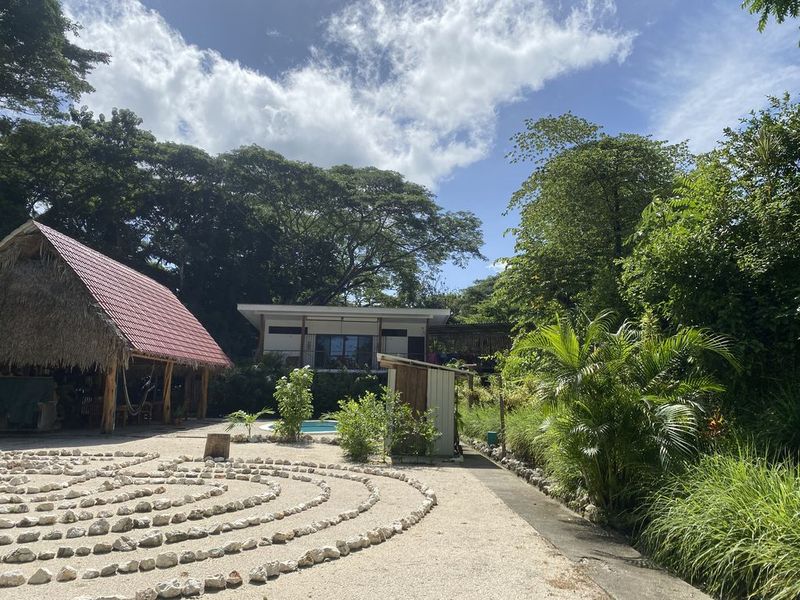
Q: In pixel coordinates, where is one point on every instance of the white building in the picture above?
(336, 337)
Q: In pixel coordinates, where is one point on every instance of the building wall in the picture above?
(288, 344)
(440, 397)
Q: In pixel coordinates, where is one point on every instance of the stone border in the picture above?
(183, 471)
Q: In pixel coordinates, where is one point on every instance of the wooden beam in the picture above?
(167, 393)
(202, 406)
(109, 414)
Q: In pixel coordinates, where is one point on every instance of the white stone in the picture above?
(11, 579)
(146, 594)
(192, 587)
(215, 582)
(169, 589)
(67, 573)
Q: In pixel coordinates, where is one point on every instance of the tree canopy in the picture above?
(245, 226)
(779, 9)
(724, 250)
(41, 67)
(578, 208)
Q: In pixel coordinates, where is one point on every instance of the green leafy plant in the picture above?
(621, 407)
(246, 419)
(729, 523)
(375, 423)
(361, 425)
(293, 394)
(408, 433)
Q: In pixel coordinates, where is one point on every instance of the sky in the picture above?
(432, 89)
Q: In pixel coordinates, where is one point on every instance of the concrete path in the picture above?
(606, 558)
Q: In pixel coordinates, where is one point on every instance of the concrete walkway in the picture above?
(605, 557)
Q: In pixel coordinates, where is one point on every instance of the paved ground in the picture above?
(605, 557)
(491, 536)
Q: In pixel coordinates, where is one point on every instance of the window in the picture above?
(348, 351)
(288, 330)
(416, 348)
(394, 332)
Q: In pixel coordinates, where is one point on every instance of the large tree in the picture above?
(578, 209)
(245, 226)
(724, 251)
(40, 67)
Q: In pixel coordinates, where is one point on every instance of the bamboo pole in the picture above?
(167, 393)
(202, 406)
(109, 400)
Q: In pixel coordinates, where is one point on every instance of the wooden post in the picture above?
(167, 393)
(202, 406)
(261, 337)
(188, 392)
(471, 393)
(502, 422)
(109, 415)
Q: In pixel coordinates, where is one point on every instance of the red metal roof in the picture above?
(148, 314)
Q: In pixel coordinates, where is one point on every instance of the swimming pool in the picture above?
(311, 426)
(318, 426)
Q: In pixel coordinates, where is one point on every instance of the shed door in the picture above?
(441, 398)
(412, 383)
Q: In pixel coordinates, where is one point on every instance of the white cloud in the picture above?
(402, 85)
(715, 71)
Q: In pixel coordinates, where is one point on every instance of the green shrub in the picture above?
(729, 523)
(409, 434)
(619, 408)
(776, 424)
(374, 423)
(248, 386)
(362, 426)
(330, 387)
(293, 394)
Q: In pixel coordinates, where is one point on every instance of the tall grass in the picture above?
(523, 432)
(523, 427)
(478, 419)
(731, 523)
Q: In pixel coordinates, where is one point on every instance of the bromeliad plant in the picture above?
(620, 407)
(246, 419)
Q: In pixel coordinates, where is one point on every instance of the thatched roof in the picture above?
(63, 304)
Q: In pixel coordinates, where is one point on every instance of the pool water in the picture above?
(316, 426)
(310, 426)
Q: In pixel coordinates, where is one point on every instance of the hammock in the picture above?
(146, 389)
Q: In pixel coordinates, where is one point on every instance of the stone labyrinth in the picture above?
(127, 525)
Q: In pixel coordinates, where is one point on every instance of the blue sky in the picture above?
(432, 89)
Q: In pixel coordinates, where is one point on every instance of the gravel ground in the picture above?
(469, 546)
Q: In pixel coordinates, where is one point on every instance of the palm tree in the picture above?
(247, 419)
(622, 406)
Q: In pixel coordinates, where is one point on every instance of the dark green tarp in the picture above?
(19, 397)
